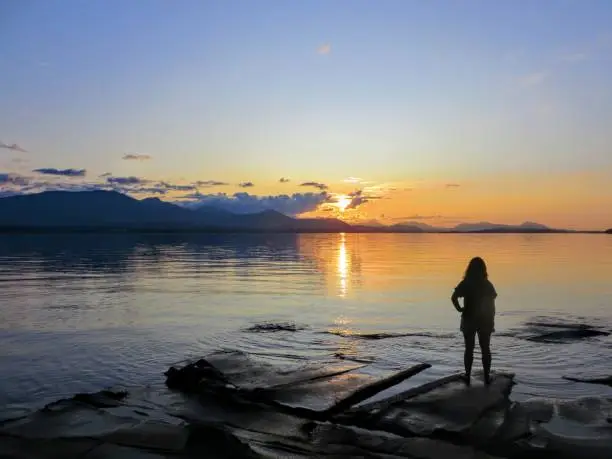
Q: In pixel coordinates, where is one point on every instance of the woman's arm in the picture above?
(455, 299)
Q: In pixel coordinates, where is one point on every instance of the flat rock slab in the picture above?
(452, 407)
(581, 427)
(71, 421)
(427, 422)
(251, 373)
(316, 389)
(322, 394)
(330, 438)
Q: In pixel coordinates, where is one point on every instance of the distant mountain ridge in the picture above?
(56, 210)
(414, 226)
(106, 209)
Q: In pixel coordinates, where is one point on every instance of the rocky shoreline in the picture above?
(233, 405)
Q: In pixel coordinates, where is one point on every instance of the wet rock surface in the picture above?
(559, 332)
(270, 327)
(232, 405)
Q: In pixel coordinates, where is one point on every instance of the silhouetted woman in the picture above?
(477, 314)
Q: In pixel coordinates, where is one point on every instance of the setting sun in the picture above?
(343, 203)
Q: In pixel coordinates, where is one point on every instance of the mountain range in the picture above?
(57, 210)
(474, 227)
(110, 209)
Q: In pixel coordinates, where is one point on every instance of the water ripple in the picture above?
(82, 312)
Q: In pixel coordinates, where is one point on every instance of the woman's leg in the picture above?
(484, 339)
(469, 336)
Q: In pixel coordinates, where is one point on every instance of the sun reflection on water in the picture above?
(343, 267)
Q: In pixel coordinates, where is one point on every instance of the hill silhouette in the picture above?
(609, 231)
(486, 226)
(110, 209)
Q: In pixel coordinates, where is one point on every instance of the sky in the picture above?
(389, 111)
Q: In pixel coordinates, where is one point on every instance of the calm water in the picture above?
(83, 312)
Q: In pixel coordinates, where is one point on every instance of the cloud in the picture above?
(209, 183)
(533, 79)
(352, 180)
(169, 186)
(320, 186)
(106, 174)
(146, 190)
(452, 185)
(126, 180)
(13, 147)
(17, 184)
(63, 172)
(357, 199)
(324, 49)
(246, 185)
(48, 186)
(242, 202)
(136, 157)
(13, 179)
(284, 180)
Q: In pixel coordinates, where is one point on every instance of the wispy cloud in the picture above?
(147, 190)
(210, 183)
(13, 147)
(38, 187)
(357, 199)
(320, 186)
(106, 174)
(352, 180)
(13, 179)
(63, 172)
(452, 185)
(136, 157)
(284, 180)
(246, 185)
(324, 49)
(533, 79)
(126, 180)
(170, 186)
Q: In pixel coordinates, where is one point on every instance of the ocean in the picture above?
(80, 313)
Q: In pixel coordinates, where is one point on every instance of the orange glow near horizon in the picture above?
(574, 200)
(343, 203)
(571, 200)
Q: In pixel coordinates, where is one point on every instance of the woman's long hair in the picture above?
(476, 270)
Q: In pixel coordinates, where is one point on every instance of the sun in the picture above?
(343, 202)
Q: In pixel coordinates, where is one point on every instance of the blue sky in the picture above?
(235, 91)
